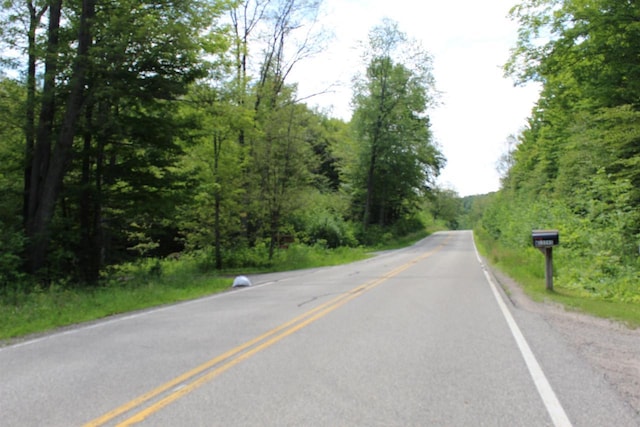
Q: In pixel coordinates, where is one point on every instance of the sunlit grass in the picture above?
(155, 282)
(146, 284)
(526, 267)
(46, 309)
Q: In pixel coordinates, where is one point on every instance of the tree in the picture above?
(12, 99)
(284, 30)
(398, 159)
(576, 165)
(447, 206)
(21, 21)
(49, 163)
(111, 72)
(278, 148)
(581, 50)
(213, 160)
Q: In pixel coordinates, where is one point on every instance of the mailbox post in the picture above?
(545, 240)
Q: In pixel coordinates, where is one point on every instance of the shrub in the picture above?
(330, 230)
(12, 244)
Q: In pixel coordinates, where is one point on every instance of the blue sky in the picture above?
(470, 41)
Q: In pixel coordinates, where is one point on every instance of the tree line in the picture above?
(576, 165)
(149, 128)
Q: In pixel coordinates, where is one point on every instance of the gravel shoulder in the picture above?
(610, 347)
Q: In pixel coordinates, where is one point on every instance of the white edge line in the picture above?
(106, 321)
(120, 318)
(143, 312)
(549, 398)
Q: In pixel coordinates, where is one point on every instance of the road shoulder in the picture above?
(609, 347)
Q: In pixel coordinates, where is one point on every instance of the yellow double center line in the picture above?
(193, 379)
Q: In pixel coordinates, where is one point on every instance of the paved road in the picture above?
(415, 337)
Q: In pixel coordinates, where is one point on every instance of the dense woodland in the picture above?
(576, 166)
(133, 129)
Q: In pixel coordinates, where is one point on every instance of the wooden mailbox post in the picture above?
(545, 240)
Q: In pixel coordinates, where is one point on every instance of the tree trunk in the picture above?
(382, 213)
(99, 238)
(217, 147)
(89, 209)
(30, 125)
(370, 188)
(274, 226)
(39, 163)
(52, 165)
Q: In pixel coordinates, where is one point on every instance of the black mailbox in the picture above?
(545, 238)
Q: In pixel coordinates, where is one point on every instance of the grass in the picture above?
(527, 268)
(156, 282)
(143, 285)
(44, 309)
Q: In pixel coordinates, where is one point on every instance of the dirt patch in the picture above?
(610, 347)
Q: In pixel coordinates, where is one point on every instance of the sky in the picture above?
(469, 41)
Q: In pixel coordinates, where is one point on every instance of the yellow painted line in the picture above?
(198, 370)
(259, 343)
(142, 415)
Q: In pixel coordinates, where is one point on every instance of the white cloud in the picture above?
(470, 40)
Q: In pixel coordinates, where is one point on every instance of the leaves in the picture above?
(580, 154)
(181, 132)
(397, 157)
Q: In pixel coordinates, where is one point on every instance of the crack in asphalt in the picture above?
(312, 299)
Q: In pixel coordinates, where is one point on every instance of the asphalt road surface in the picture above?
(415, 337)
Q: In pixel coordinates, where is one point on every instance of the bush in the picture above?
(12, 244)
(408, 225)
(597, 255)
(330, 230)
(244, 257)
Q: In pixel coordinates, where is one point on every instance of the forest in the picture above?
(576, 165)
(136, 130)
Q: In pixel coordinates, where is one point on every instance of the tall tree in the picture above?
(582, 51)
(12, 98)
(21, 22)
(581, 149)
(398, 157)
(49, 163)
(286, 35)
(213, 158)
(110, 74)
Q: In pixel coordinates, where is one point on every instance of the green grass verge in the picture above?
(155, 282)
(527, 269)
(45, 309)
(147, 284)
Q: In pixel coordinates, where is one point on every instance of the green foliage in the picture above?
(179, 139)
(446, 205)
(147, 283)
(125, 288)
(595, 257)
(213, 161)
(12, 243)
(320, 219)
(12, 239)
(405, 231)
(114, 142)
(472, 209)
(330, 231)
(527, 268)
(303, 256)
(254, 258)
(396, 157)
(576, 165)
